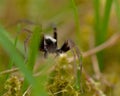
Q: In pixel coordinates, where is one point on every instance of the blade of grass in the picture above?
(15, 44)
(76, 19)
(97, 23)
(105, 22)
(34, 45)
(18, 59)
(76, 16)
(97, 15)
(102, 32)
(117, 8)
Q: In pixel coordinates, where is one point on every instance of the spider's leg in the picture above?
(65, 47)
(41, 46)
(27, 38)
(45, 54)
(25, 21)
(55, 34)
(21, 21)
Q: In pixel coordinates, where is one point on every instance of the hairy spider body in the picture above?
(48, 44)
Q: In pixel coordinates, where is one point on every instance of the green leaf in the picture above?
(18, 60)
(34, 45)
(101, 27)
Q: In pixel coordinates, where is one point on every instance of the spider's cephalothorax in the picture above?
(49, 44)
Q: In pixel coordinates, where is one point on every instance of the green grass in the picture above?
(10, 65)
(34, 45)
(105, 21)
(76, 16)
(97, 14)
(19, 60)
(75, 12)
(117, 9)
(101, 26)
(11, 50)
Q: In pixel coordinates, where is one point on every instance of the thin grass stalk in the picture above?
(104, 25)
(117, 9)
(76, 16)
(76, 19)
(15, 44)
(32, 53)
(101, 27)
(103, 31)
(97, 15)
(34, 45)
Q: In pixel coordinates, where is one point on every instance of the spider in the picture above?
(48, 44)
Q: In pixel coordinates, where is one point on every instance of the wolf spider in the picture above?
(48, 44)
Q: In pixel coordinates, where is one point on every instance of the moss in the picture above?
(59, 81)
(13, 86)
(62, 81)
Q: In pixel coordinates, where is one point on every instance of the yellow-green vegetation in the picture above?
(91, 68)
(62, 79)
(13, 86)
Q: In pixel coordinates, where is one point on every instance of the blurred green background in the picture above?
(80, 20)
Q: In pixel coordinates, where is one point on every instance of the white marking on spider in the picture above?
(51, 38)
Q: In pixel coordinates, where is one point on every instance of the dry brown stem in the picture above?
(9, 71)
(94, 57)
(110, 42)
